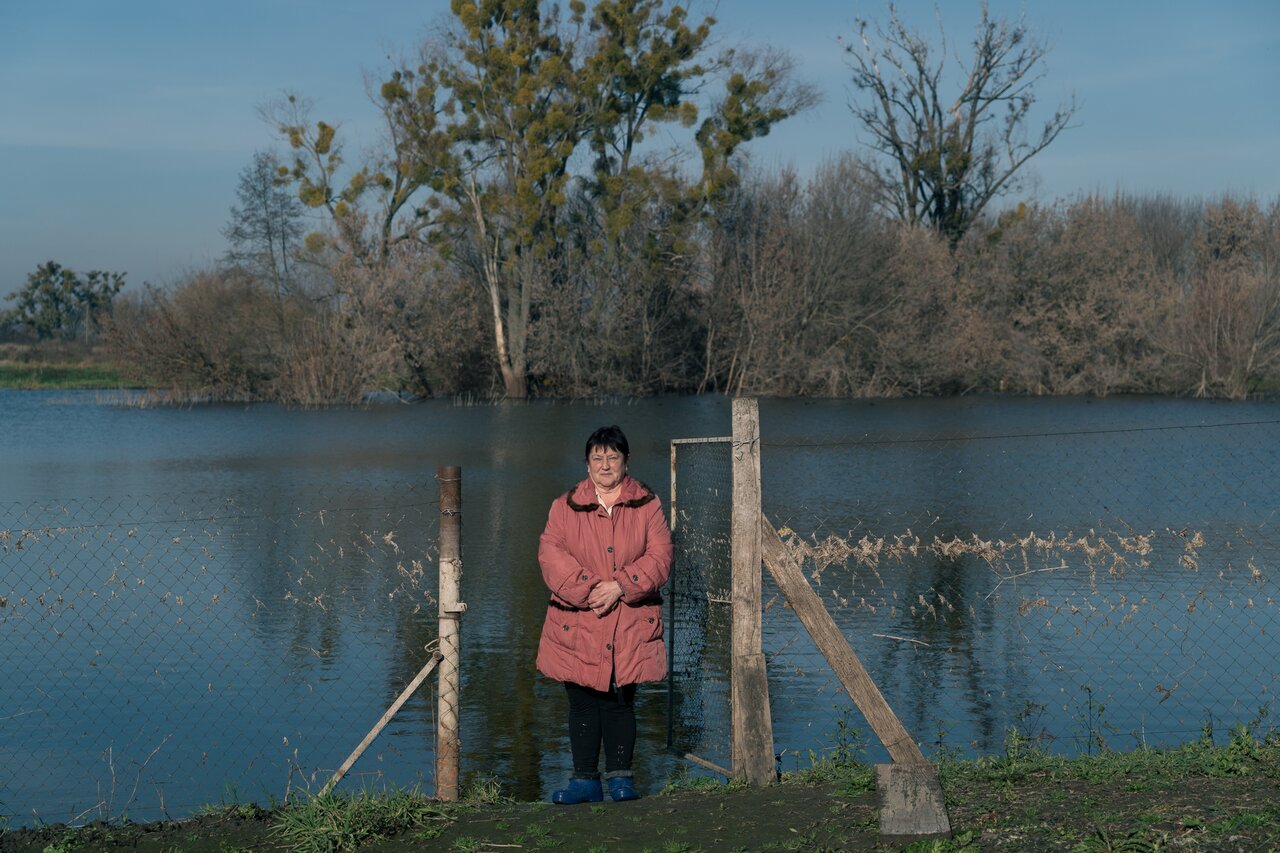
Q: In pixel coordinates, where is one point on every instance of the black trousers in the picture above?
(596, 716)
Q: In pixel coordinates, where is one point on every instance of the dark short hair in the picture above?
(610, 438)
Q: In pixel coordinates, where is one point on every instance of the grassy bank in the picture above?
(61, 365)
(1198, 797)
(62, 376)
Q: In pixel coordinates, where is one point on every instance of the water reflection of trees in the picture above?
(942, 610)
(326, 580)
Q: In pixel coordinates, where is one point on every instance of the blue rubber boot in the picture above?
(622, 788)
(579, 791)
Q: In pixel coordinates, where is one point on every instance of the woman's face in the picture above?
(606, 467)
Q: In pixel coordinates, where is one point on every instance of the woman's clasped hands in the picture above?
(604, 597)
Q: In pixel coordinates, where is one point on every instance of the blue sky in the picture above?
(124, 125)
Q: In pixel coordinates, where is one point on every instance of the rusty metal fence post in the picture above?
(448, 745)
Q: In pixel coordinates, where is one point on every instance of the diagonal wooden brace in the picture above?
(786, 571)
(382, 721)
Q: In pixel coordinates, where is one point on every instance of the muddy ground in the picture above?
(1036, 813)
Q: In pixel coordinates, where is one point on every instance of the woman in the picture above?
(605, 553)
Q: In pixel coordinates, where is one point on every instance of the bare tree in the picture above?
(1228, 333)
(265, 228)
(620, 314)
(942, 161)
(796, 288)
(1072, 299)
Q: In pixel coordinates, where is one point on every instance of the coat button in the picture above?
(650, 620)
(566, 627)
(609, 646)
(636, 578)
(610, 549)
(584, 577)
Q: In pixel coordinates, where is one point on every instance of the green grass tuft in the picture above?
(339, 822)
(676, 784)
(484, 790)
(851, 776)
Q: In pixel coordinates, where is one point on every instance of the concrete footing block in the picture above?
(911, 802)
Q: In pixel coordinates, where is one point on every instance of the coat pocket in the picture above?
(644, 626)
(653, 621)
(560, 631)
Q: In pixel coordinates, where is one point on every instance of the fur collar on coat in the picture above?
(582, 497)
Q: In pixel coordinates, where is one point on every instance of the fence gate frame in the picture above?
(752, 757)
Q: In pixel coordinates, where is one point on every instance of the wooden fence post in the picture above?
(752, 739)
(448, 746)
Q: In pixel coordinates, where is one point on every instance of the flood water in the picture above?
(220, 601)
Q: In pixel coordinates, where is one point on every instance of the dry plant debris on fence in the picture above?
(1115, 553)
(1109, 566)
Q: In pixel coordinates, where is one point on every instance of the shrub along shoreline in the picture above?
(790, 288)
(786, 287)
(1199, 796)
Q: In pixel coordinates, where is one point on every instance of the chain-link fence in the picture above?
(1090, 589)
(164, 653)
(700, 614)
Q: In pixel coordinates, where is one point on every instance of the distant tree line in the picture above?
(57, 302)
(528, 230)
(788, 287)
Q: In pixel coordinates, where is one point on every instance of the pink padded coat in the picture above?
(582, 546)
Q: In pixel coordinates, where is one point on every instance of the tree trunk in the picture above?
(510, 354)
(510, 363)
(515, 384)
